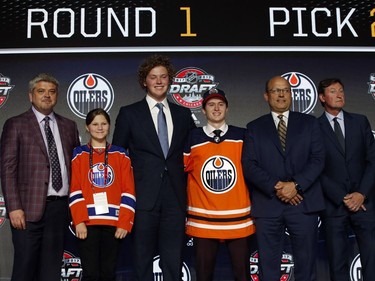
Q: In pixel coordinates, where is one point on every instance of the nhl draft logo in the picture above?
(158, 274)
(5, 89)
(371, 85)
(89, 91)
(356, 269)
(3, 211)
(101, 176)
(188, 86)
(304, 93)
(71, 269)
(218, 174)
(287, 266)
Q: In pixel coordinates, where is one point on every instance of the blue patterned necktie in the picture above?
(162, 130)
(53, 156)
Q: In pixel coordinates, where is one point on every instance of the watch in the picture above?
(298, 187)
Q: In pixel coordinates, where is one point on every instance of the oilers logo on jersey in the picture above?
(218, 174)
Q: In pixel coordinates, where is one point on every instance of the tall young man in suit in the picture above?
(283, 156)
(37, 206)
(348, 182)
(160, 182)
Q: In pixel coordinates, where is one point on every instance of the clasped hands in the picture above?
(354, 201)
(287, 192)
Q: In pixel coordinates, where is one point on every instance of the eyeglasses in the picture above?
(278, 91)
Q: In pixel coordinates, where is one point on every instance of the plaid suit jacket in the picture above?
(25, 165)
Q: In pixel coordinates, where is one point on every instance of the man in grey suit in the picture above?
(35, 193)
(348, 182)
(160, 182)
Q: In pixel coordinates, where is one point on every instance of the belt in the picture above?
(55, 198)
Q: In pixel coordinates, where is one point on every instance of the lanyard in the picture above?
(105, 163)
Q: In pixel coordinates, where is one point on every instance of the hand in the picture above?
(354, 201)
(285, 191)
(17, 219)
(120, 233)
(296, 200)
(81, 230)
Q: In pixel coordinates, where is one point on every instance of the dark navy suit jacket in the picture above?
(351, 171)
(135, 131)
(265, 163)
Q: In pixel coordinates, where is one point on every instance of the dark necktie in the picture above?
(281, 129)
(338, 132)
(53, 156)
(217, 135)
(162, 130)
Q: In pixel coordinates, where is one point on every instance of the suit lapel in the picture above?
(327, 130)
(271, 128)
(350, 129)
(292, 132)
(175, 116)
(147, 124)
(34, 125)
(63, 137)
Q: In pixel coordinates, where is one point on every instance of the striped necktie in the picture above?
(281, 129)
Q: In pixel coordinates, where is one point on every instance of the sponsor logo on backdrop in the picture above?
(218, 174)
(3, 211)
(356, 269)
(304, 93)
(287, 266)
(371, 85)
(89, 91)
(71, 269)
(5, 89)
(188, 86)
(158, 274)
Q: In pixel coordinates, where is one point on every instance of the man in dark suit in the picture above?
(283, 171)
(37, 207)
(160, 181)
(348, 182)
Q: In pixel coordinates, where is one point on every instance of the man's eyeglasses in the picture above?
(279, 91)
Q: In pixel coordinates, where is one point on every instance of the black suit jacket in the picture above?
(351, 171)
(135, 131)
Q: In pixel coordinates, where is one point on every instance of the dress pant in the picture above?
(338, 249)
(303, 232)
(38, 250)
(160, 231)
(98, 253)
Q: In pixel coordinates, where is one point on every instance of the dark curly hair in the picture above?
(151, 62)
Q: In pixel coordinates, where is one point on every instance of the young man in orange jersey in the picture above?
(218, 198)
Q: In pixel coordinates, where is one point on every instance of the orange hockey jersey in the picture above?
(218, 199)
(116, 180)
